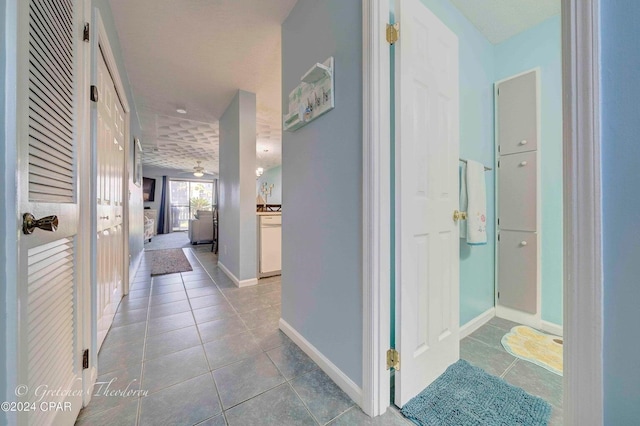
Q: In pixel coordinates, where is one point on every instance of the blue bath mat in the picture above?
(465, 395)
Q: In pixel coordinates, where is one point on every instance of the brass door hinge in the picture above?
(393, 32)
(393, 359)
(85, 32)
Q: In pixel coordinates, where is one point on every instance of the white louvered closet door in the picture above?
(110, 150)
(50, 356)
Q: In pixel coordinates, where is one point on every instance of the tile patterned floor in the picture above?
(483, 349)
(209, 353)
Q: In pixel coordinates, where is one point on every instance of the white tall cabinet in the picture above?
(518, 289)
(269, 244)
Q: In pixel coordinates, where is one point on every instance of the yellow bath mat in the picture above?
(534, 346)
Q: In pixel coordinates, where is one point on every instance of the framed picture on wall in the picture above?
(137, 162)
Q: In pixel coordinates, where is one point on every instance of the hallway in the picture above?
(191, 348)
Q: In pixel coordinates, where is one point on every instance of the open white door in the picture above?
(50, 353)
(427, 254)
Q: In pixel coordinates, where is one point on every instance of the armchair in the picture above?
(201, 228)
(149, 224)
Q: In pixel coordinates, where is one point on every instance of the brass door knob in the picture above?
(457, 215)
(30, 223)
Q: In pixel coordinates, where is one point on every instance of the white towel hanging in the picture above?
(463, 199)
(477, 204)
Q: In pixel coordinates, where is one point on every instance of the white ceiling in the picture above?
(196, 54)
(500, 20)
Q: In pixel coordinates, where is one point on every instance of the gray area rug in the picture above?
(466, 395)
(169, 261)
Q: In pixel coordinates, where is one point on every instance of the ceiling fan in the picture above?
(198, 171)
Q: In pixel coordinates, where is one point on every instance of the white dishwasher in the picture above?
(270, 245)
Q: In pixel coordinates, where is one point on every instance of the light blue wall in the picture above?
(272, 176)
(237, 219)
(229, 214)
(620, 86)
(248, 229)
(136, 220)
(541, 47)
(477, 74)
(322, 186)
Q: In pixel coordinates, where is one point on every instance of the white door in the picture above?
(49, 309)
(427, 280)
(109, 193)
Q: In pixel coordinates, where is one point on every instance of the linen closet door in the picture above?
(49, 292)
(518, 290)
(110, 201)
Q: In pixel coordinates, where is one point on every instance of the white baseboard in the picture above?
(88, 385)
(236, 280)
(133, 270)
(551, 328)
(477, 322)
(341, 379)
(532, 320)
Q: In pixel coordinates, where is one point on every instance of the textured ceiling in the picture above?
(195, 54)
(500, 20)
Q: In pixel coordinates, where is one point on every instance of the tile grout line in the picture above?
(215, 385)
(225, 296)
(316, 368)
(144, 349)
(481, 341)
(210, 372)
(263, 352)
(303, 403)
(255, 396)
(515, 361)
(111, 372)
(353, 407)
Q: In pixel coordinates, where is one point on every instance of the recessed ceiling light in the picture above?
(181, 111)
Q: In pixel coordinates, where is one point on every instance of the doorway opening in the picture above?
(478, 286)
(187, 198)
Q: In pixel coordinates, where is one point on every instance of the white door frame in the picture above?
(583, 396)
(86, 261)
(9, 220)
(583, 379)
(376, 205)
